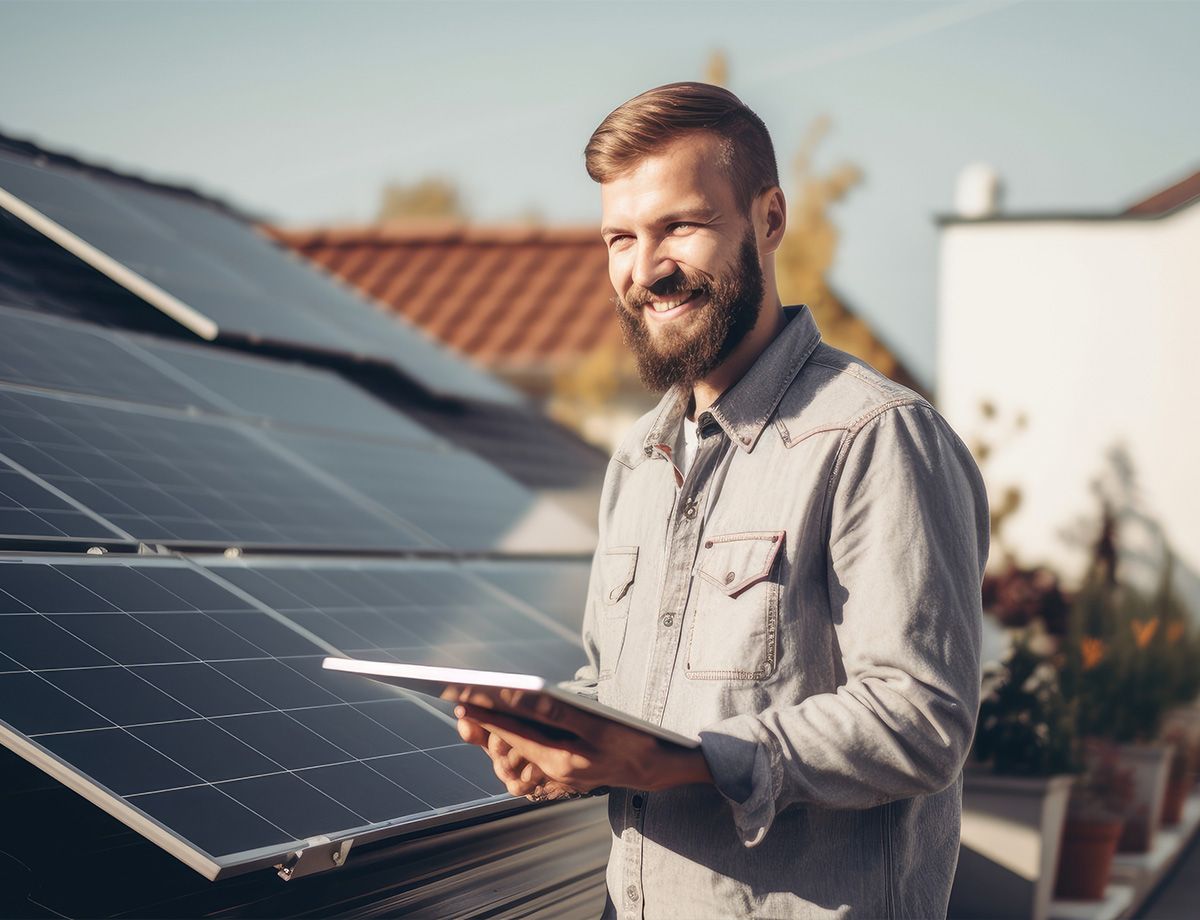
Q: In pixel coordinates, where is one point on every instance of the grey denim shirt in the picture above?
(806, 601)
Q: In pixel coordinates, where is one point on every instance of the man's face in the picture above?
(684, 261)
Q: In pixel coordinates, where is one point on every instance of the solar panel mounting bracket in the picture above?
(321, 855)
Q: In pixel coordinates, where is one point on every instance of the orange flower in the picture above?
(1143, 631)
(1093, 651)
(1175, 631)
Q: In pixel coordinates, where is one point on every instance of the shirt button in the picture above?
(637, 801)
(729, 577)
(689, 510)
(668, 619)
(632, 893)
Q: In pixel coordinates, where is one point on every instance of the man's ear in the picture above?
(770, 219)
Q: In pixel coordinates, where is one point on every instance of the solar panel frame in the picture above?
(45, 509)
(48, 755)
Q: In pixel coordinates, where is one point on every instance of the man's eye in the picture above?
(614, 240)
(678, 224)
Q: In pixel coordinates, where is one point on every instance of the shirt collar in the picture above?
(744, 409)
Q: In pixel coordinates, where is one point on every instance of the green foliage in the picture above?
(1026, 728)
(428, 198)
(1130, 658)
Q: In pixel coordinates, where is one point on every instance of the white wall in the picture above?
(1091, 328)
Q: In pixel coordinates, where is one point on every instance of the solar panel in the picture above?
(558, 589)
(216, 275)
(284, 393)
(203, 720)
(160, 477)
(66, 355)
(419, 611)
(63, 355)
(458, 499)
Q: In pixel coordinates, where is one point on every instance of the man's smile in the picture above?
(665, 310)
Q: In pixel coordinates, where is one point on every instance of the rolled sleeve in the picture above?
(908, 539)
(747, 768)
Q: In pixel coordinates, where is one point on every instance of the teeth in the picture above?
(662, 306)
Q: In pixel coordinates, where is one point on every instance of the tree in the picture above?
(430, 197)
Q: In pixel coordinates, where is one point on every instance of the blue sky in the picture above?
(301, 111)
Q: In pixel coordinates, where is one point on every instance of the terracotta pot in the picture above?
(1150, 763)
(1085, 858)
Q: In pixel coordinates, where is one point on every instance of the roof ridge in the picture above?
(1171, 198)
(447, 230)
(35, 151)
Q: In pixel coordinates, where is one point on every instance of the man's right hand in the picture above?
(520, 777)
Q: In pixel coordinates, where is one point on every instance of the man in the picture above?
(789, 567)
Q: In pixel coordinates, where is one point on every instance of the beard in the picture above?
(690, 347)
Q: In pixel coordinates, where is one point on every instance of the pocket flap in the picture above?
(734, 562)
(617, 568)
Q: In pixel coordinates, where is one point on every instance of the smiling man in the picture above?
(789, 567)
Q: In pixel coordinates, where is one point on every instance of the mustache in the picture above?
(678, 283)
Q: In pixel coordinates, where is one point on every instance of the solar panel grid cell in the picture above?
(261, 741)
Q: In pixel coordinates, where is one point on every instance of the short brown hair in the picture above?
(647, 123)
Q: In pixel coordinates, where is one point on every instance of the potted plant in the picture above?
(1181, 664)
(1015, 795)
(1117, 678)
(1099, 801)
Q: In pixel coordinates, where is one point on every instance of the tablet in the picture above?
(432, 681)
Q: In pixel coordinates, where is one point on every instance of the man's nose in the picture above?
(652, 265)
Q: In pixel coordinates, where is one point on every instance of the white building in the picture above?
(1089, 325)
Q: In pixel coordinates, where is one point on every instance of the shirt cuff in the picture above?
(585, 688)
(747, 769)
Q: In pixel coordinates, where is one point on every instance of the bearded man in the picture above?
(789, 568)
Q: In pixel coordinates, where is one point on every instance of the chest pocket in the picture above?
(736, 618)
(618, 568)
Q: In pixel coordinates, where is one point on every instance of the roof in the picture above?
(1162, 203)
(34, 151)
(511, 298)
(508, 297)
(1184, 192)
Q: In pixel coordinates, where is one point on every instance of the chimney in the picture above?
(978, 192)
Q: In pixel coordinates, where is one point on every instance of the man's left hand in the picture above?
(586, 752)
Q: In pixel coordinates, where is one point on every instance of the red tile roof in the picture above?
(513, 298)
(1169, 199)
(509, 297)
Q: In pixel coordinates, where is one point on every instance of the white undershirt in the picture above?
(686, 445)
